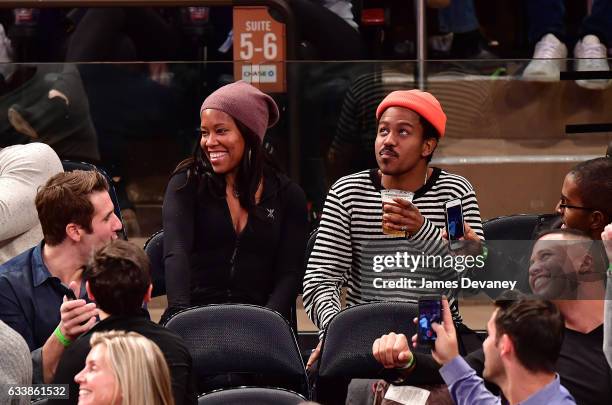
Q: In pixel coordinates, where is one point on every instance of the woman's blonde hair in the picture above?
(139, 367)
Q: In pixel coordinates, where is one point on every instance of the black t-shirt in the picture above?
(582, 367)
(172, 346)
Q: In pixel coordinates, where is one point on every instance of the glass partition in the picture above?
(513, 138)
(509, 136)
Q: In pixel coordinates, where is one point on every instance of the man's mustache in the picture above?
(389, 151)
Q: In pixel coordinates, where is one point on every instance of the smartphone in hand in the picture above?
(430, 311)
(454, 222)
(70, 295)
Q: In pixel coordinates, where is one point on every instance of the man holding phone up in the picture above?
(41, 294)
(410, 125)
(523, 344)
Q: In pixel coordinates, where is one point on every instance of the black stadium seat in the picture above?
(251, 396)
(154, 248)
(309, 246)
(347, 345)
(241, 340)
(512, 227)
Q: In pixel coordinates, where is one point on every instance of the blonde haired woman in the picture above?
(124, 369)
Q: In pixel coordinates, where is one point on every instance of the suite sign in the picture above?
(259, 49)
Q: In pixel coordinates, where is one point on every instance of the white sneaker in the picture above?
(591, 55)
(548, 60)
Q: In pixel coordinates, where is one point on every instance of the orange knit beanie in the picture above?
(421, 102)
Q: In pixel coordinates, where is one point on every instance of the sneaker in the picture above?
(548, 60)
(591, 55)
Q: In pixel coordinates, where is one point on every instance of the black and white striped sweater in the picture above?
(350, 233)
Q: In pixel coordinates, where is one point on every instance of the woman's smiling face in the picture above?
(221, 141)
(97, 382)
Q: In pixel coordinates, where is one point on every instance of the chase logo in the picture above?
(259, 73)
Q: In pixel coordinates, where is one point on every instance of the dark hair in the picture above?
(594, 180)
(536, 328)
(254, 162)
(64, 199)
(429, 131)
(119, 277)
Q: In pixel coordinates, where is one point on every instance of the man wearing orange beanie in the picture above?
(410, 125)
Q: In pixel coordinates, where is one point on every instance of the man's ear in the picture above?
(74, 232)
(148, 294)
(429, 146)
(89, 293)
(506, 346)
(598, 221)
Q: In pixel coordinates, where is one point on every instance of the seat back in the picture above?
(72, 165)
(347, 344)
(154, 248)
(251, 396)
(309, 246)
(511, 227)
(247, 340)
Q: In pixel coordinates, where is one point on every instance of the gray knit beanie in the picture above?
(246, 104)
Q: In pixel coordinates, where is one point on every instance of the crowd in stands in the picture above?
(86, 111)
(74, 296)
(67, 294)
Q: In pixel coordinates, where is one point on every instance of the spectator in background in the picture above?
(547, 32)
(119, 92)
(410, 125)
(77, 216)
(15, 365)
(581, 365)
(569, 270)
(355, 134)
(585, 197)
(458, 20)
(124, 368)
(23, 168)
(118, 280)
(520, 352)
(45, 103)
(235, 228)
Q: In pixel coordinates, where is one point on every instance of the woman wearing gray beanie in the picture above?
(235, 228)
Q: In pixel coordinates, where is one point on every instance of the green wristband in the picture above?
(409, 364)
(60, 336)
(485, 252)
